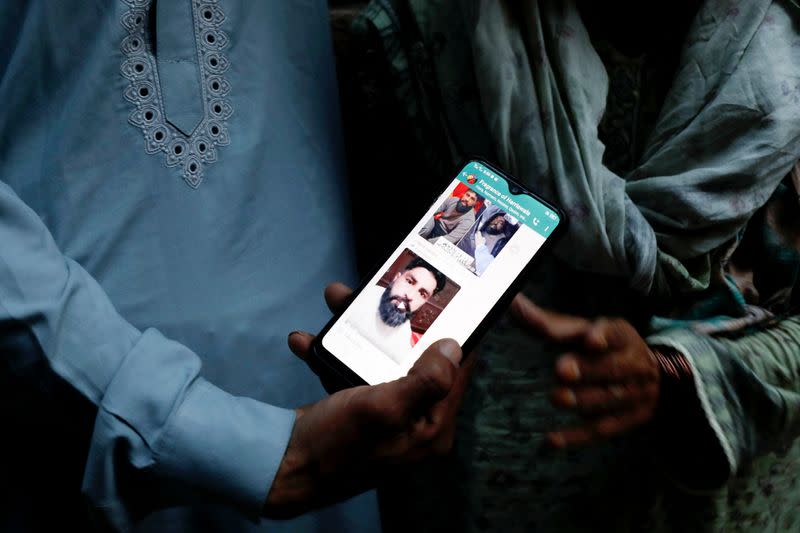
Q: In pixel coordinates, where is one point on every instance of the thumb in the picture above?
(430, 379)
(397, 404)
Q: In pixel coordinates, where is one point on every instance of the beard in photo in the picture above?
(388, 309)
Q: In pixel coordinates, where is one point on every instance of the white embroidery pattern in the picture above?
(188, 152)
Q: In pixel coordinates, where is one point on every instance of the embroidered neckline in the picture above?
(190, 153)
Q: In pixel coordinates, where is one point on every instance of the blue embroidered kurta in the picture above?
(172, 202)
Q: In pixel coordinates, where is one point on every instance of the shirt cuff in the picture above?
(226, 445)
(166, 436)
(692, 423)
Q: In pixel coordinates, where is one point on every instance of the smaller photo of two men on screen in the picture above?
(472, 224)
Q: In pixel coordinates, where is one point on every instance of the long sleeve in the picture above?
(747, 399)
(460, 230)
(156, 417)
(431, 223)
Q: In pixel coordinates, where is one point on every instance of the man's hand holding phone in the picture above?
(344, 444)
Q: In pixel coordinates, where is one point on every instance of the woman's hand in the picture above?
(608, 374)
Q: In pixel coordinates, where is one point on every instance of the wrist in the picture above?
(293, 483)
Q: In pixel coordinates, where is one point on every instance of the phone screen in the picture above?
(444, 278)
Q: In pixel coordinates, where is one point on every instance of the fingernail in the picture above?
(599, 340)
(569, 398)
(556, 439)
(568, 368)
(301, 333)
(602, 342)
(451, 350)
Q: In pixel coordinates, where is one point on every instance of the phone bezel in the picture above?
(337, 376)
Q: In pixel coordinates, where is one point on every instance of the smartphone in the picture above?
(454, 273)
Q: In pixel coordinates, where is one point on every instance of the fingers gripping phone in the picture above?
(457, 269)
